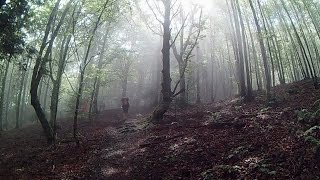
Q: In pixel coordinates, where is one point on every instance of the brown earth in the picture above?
(226, 140)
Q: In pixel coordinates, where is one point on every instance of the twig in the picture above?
(154, 13)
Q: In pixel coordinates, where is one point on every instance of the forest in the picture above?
(159, 89)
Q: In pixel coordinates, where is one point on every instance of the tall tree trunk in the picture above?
(248, 96)
(82, 72)
(20, 95)
(312, 17)
(76, 112)
(97, 80)
(182, 84)
(166, 77)
(124, 84)
(240, 52)
(304, 69)
(94, 95)
(198, 97)
(302, 30)
(213, 95)
(56, 83)
(157, 91)
(255, 59)
(40, 68)
(25, 92)
(3, 87)
(9, 97)
(263, 52)
(302, 48)
(46, 94)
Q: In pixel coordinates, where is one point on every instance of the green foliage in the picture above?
(238, 152)
(304, 116)
(144, 124)
(316, 104)
(214, 115)
(309, 135)
(265, 169)
(228, 170)
(312, 140)
(13, 19)
(207, 175)
(312, 130)
(307, 117)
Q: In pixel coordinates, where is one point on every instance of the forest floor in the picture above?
(226, 140)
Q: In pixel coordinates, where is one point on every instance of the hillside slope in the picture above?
(226, 140)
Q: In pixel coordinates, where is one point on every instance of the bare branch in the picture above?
(158, 8)
(154, 13)
(176, 86)
(51, 72)
(88, 62)
(145, 20)
(69, 82)
(181, 91)
(177, 12)
(189, 55)
(182, 26)
(174, 4)
(197, 38)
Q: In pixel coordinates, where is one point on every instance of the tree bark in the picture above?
(40, 68)
(240, 49)
(166, 77)
(263, 52)
(198, 96)
(3, 86)
(56, 83)
(9, 97)
(248, 96)
(20, 95)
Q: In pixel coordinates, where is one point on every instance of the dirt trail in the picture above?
(104, 148)
(123, 144)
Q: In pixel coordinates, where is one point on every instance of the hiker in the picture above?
(125, 107)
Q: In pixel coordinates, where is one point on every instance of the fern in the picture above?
(316, 104)
(311, 130)
(304, 116)
(312, 140)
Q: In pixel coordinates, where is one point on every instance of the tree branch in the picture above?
(182, 26)
(154, 13)
(182, 90)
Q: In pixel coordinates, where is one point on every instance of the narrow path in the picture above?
(114, 156)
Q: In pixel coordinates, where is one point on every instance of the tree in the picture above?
(97, 79)
(248, 96)
(56, 81)
(239, 49)
(106, 12)
(13, 18)
(40, 67)
(186, 47)
(166, 78)
(263, 52)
